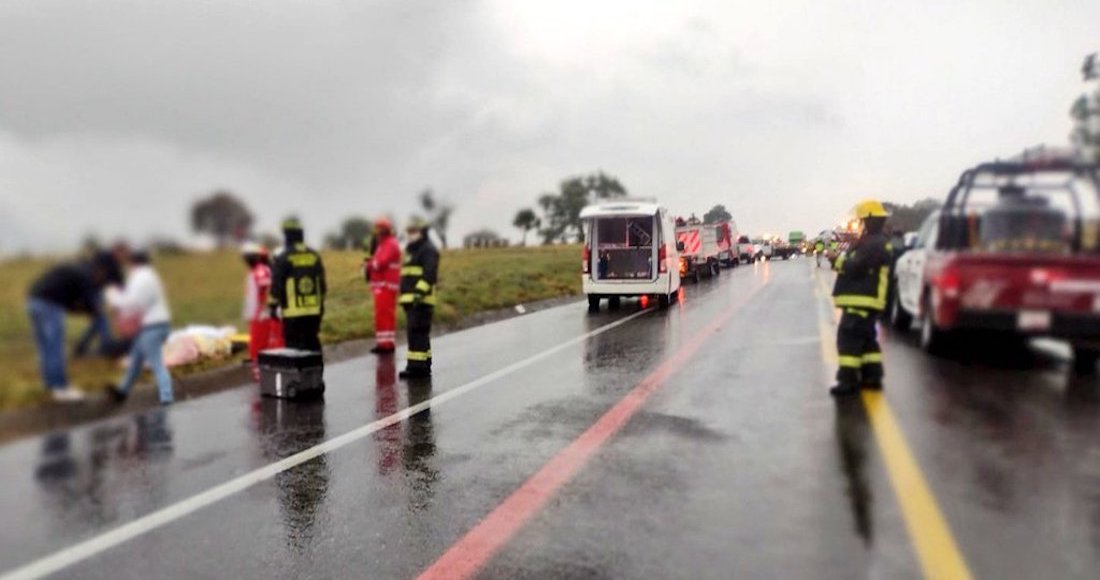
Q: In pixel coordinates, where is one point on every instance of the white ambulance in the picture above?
(630, 249)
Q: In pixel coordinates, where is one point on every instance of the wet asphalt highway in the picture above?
(734, 462)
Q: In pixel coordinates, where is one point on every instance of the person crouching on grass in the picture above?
(142, 301)
(69, 289)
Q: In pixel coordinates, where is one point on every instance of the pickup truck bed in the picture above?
(1026, 293)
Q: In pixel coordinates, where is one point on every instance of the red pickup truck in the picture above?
(1017, 252)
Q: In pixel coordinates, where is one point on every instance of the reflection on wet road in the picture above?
(735, 463)
(853, 437)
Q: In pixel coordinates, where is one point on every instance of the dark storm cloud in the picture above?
(327, 92)
(115, 115)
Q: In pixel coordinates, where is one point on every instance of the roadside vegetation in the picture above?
(208, 289)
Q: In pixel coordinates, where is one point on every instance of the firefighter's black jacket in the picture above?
(298, 284)
(863, 274)
(419, 273)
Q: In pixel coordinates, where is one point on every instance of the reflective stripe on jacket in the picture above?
(863, 278)
(298, 282)
(418, 273)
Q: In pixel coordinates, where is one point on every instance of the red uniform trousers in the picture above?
(385, 315)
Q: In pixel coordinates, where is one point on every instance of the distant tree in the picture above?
(483, 238)
(603, 186)
(354, 231)
(526, 220)
(908, 218)
(438, 214)
(333, 241)
(717, 214)
(561, 211)
(223, 216)
(555, 221)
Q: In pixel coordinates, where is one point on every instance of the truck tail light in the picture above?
(948, 281)
(586, 259)
(662, 259)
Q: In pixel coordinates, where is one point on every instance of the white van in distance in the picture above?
(630, 249)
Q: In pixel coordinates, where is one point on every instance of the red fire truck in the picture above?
(700, 256)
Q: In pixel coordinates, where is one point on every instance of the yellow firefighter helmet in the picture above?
(870, 208)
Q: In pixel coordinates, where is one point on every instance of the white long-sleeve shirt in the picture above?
(143, 295)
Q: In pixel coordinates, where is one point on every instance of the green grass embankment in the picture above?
(208, 289)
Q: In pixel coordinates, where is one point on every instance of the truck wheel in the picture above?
(899, 318)
(1085, 359)
(663, 300)
(932, 339)
(614, 303)
(593, 303)
(716, 269)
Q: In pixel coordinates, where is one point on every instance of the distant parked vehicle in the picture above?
(796, 242)
(746, 253)
(763, 249)
(727, 243)
(699, 251)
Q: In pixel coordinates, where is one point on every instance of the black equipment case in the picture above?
(287, 373)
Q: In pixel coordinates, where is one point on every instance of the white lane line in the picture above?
(78, 552)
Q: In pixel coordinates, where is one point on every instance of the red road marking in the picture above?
(474, 550)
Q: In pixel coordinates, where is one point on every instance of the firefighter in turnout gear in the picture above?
(383, 272)
(862, 283)
(298, 290)
(418, 298)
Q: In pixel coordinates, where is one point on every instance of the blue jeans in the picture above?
(147, 349)
(98, 329)
(48, 321)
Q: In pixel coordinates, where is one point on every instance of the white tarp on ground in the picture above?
(198, 342)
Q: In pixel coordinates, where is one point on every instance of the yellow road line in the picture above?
(937, 550)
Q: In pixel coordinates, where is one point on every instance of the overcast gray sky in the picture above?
(115, 116)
